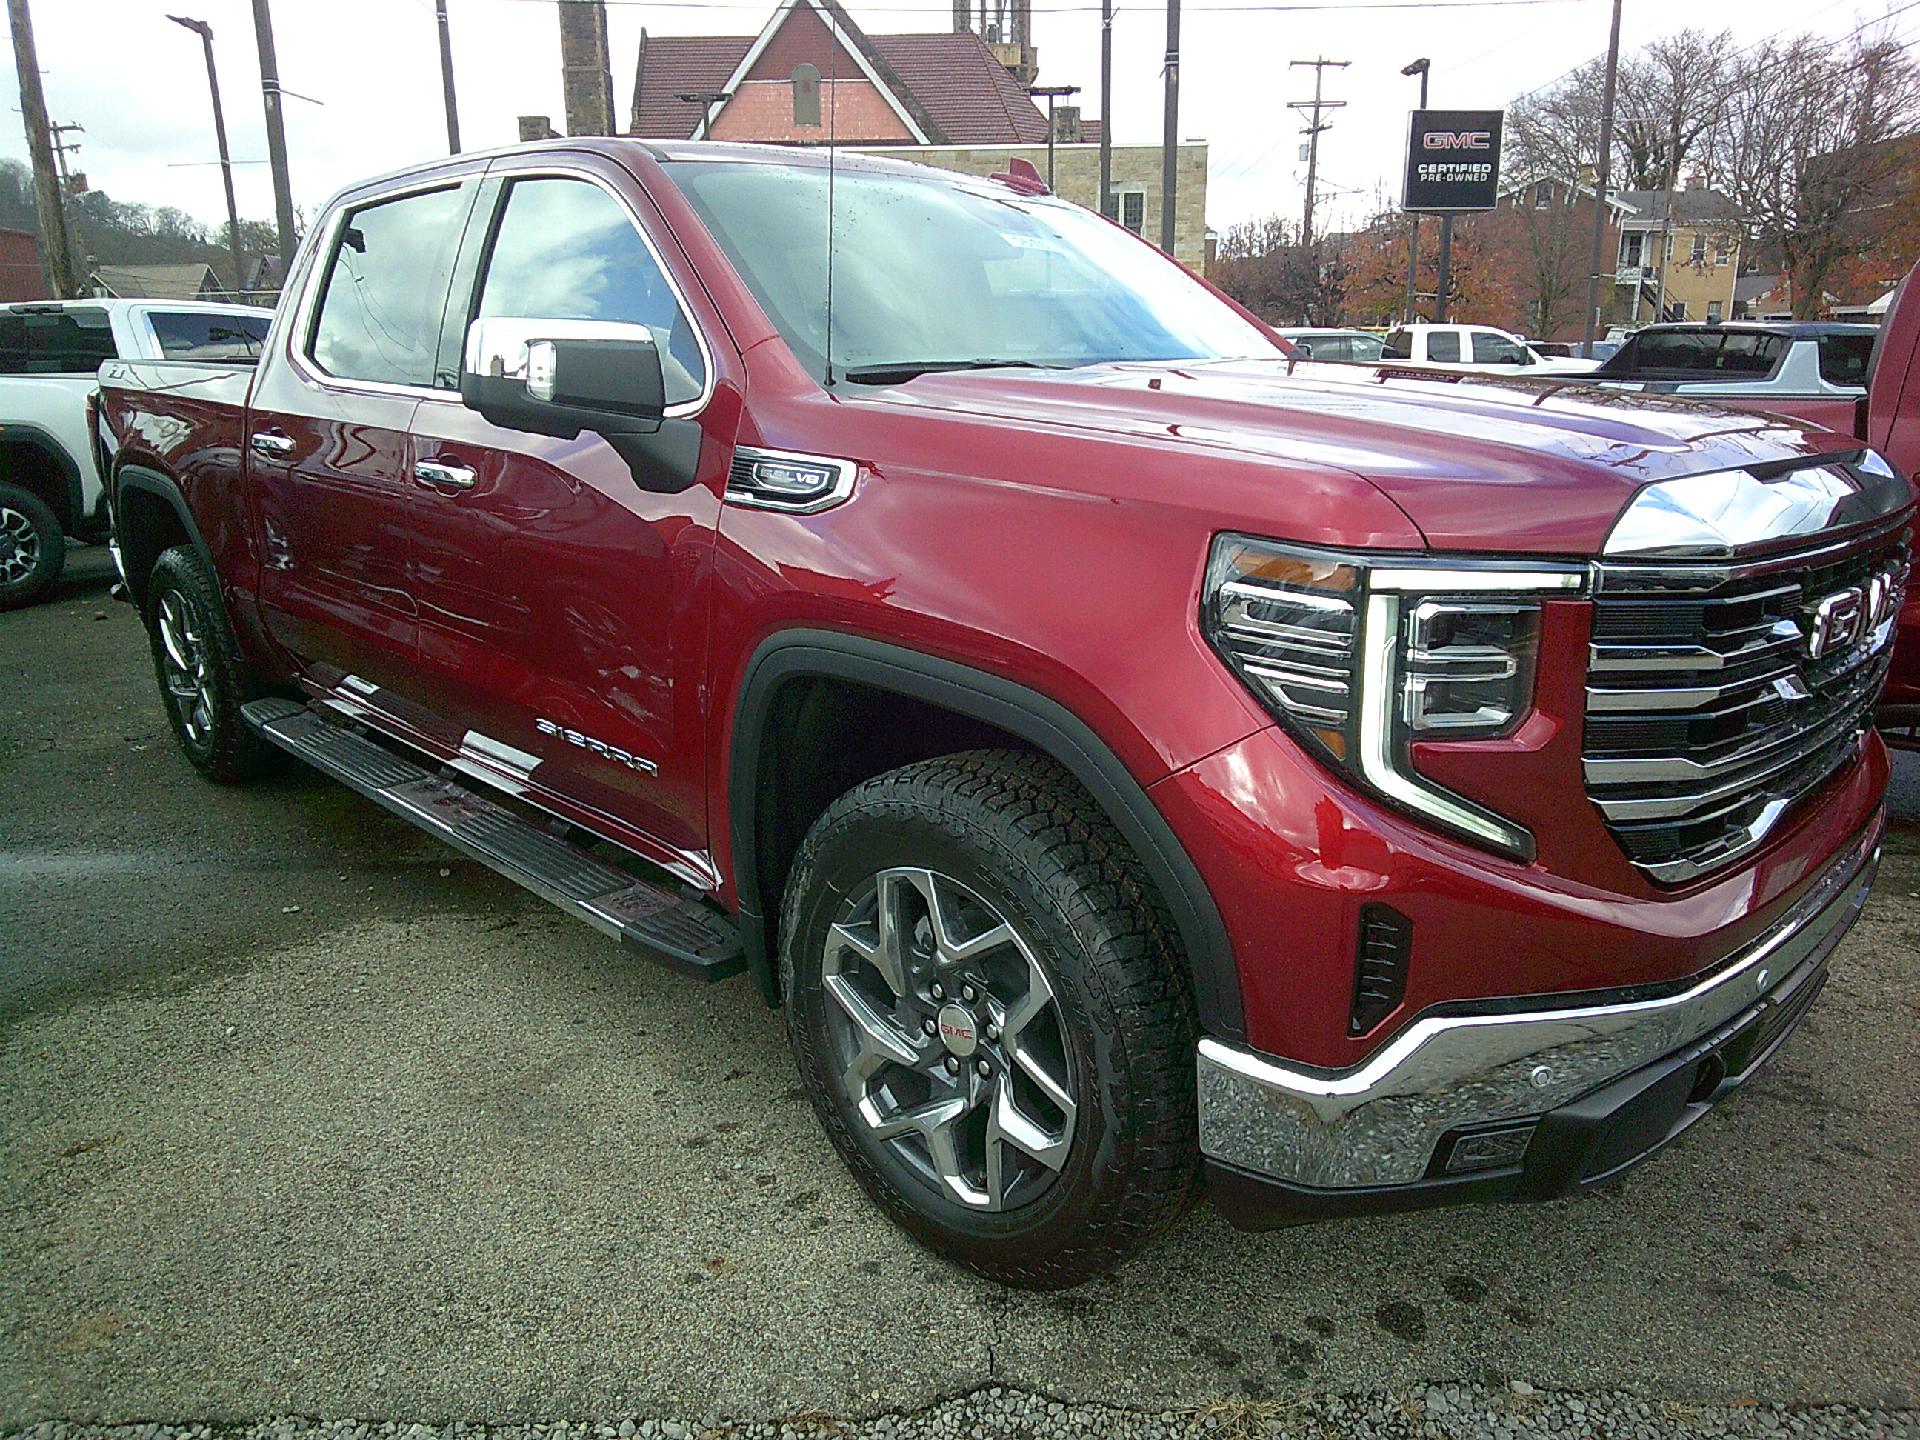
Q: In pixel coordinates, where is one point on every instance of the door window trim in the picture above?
(508, 176)
(306, 319)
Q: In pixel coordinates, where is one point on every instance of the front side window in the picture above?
(567, 250)
(1492, 349)
(948, 272)
(386, 289)
(1443, 346)
(197, 335)
(70, 341)
(1398, 345)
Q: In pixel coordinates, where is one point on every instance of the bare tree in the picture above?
(1808, 152)
(1673, 94)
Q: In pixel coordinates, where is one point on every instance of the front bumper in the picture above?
(1499, 1102)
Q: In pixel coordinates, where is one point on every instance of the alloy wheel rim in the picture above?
(19, 546)
(948, 1039)
(183, 661)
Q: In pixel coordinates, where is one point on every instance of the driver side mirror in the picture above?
(559, 377)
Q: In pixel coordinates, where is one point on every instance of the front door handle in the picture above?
(443, 475)
(271, 444)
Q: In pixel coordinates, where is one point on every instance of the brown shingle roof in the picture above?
(672, 65)
(952, 79)
(971, 96)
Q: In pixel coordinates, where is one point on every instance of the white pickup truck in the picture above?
(1475, 347)
(50, 351)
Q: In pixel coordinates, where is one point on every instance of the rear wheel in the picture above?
(989, 1008)
(203, 680)
(33, 550)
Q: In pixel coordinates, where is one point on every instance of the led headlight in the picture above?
(1362, 655)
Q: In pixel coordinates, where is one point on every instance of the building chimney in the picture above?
(586, 67)
(537, 127)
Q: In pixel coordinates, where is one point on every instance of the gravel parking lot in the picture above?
(304, 1115)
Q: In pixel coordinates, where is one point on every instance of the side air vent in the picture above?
(798, 484)
(1380, 968)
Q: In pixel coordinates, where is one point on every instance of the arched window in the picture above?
(806, 95)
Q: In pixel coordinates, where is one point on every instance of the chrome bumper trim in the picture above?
(1379, 1123)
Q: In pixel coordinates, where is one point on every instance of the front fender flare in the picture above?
(1042, 722)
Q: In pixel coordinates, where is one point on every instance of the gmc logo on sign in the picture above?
(1457, 140)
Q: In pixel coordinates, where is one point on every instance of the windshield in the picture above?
(945, 272)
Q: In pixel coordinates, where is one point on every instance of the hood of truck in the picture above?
(1475, 462)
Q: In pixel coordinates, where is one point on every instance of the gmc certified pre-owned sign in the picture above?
(1453, 160)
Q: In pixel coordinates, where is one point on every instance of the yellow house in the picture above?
(1679, 256)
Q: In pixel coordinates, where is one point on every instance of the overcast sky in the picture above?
(138, 85)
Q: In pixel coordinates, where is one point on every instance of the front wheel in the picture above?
(989, 1007)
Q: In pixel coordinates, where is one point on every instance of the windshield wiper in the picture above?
(898, 370)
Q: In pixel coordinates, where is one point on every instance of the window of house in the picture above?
(1129, 207)
(385, 292)
(1723, 250)
(806, 94)
(1632, 246)
(567, 250)
(1715, 312)
(1543, 195)
(1669, 249)
(1443, 346)
(71, 341)
(1699, 247)
(1677, 309)
(197, 335)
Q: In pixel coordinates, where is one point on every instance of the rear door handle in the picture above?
(443, 475)
(271, 444)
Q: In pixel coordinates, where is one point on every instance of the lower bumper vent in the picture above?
(1380, 968)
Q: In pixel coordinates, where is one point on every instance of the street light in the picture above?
(706, 99)
(1052, 93)
(205, 32)
(1418, 67)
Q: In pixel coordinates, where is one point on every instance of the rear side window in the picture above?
(1845, 359)
(195, 335)
(1443, 346)
(567, 250)
(1704, 354)
(61, 342)
(386, 289)
(1491, 349)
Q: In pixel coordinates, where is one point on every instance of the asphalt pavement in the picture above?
(303, 1114)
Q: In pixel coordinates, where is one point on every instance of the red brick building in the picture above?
(21, 275)
(813, 73)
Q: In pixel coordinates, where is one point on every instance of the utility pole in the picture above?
(1315, 128)
(61, 148)
(446, 78)
(1170, 134)
(1602, 175)
(1106, 105)
(276, 136)
(1051, 94)
(205, 32)
(1418, 67)
(56, 245)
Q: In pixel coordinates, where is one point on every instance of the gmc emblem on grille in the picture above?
(1850, 615)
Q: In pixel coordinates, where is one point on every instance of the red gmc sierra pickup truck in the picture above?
(1128, 753)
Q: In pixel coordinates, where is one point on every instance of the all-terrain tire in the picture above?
(33, 551)
(183, 606)
(1015, 833)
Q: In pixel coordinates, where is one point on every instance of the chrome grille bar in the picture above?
(1708, 717)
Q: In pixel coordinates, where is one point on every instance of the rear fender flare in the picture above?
(138, 479)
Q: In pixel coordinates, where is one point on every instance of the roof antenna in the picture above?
(833, 116)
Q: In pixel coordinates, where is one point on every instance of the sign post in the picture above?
(1453, 168)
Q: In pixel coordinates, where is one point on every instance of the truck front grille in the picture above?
(1717, 696)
